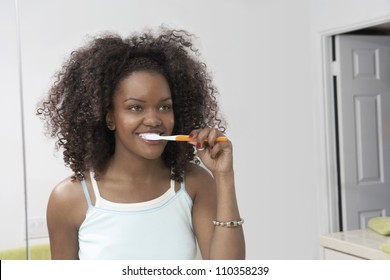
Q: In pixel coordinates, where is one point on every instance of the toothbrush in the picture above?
(186, 138)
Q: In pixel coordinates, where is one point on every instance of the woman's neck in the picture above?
(135, 168)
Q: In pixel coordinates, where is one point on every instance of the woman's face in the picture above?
(142, 104)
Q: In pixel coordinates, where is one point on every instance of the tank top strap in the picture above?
(182, 184)
(173, 185)
(86, 192)
(95, 188)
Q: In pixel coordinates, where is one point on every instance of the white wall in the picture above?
(11, 164)
(333, 15)
(261, 55)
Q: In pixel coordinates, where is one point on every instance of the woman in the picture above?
(131, 198)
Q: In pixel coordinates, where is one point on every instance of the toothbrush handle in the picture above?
(188, 139)
(221, 139)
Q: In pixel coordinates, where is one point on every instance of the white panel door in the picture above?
(363, 107)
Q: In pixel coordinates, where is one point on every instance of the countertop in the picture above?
(364, 243)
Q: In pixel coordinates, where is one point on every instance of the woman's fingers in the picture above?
(216, 156)
(205, 135)
(206, 139)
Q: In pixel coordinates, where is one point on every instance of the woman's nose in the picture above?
(152, 118)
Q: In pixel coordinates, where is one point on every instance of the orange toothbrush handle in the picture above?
(188, 139)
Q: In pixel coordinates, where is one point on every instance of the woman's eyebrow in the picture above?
(143, 101)
(134, 99)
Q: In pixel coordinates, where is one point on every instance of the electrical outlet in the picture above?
(37, 228)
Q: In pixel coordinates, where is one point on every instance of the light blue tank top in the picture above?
(157, 229)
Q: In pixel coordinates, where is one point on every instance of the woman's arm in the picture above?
(216, 200)
(64, 214)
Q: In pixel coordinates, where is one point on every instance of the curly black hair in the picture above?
(76, 106)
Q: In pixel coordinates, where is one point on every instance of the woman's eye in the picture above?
(135, 108)
(166, 108)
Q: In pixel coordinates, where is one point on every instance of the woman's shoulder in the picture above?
(67, 190)
(68, 197)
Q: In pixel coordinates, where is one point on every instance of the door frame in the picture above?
(329, 211)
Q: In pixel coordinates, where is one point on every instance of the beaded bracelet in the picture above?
(229, 224)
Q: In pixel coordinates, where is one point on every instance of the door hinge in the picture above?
(335, 68)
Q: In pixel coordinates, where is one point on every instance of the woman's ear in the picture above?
(110, 121)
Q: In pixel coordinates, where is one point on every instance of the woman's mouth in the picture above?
(144, 136)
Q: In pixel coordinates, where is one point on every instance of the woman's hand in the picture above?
(216, 156)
